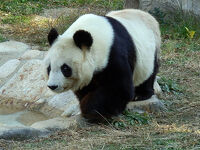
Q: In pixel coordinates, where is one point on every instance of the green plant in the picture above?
(159, 15)
(2, 39)
(10, 19)
(22, 7)
(190, 33)
(178, 24)
(129, 118)
(168, 85)
(27, 7)
(194, 46)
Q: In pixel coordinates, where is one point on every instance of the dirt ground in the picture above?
(176, 129)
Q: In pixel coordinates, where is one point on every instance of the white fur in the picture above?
(83, 62)
(156, 87)
(142, 27)
(145, 33)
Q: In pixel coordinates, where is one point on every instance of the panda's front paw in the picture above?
(72, 111)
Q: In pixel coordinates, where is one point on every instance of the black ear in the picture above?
(83, 38)
(52, 36)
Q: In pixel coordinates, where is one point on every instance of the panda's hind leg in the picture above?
(145, 90)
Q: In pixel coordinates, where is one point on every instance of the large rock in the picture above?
(191, 5)
(27, 88)
(176, 5)
(8, 68)
(11, 50)
(13, 47)
(31, 54)
(152, 105)
(27, 85)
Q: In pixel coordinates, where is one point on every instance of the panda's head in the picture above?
(69, 64)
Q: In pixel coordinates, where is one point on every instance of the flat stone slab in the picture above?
(151, 105)
(10, 120)
(21, 133)
(38, 129)
(23, 124)
(13, 46)
(13, 123)
(64, 104)
(8, 68)
(55, 123)
(12, 117)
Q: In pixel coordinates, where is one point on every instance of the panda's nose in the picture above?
(53, 87)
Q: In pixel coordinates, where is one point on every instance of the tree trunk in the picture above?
(132, 4)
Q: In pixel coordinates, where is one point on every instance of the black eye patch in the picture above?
(48, 70)
(66, 70)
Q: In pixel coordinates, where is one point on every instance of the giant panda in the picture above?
(107, 61)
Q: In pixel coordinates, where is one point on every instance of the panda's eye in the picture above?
(66, 70)
(48, 70)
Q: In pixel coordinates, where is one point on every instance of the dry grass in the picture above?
(36, 29)
(177, 129)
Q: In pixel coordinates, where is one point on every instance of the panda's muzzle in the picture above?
(53, 87)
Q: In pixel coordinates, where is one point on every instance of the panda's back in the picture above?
(135, 15)
(144, 31)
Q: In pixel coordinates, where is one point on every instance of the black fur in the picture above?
(146, 90)
(112, 88)
(66, 70)
(83, 38)
(52, 36)
(48, 70)
(53, 87)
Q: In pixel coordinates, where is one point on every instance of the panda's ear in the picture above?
(83, 39)
(52, 36)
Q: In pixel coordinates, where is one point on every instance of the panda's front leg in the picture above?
(92, 107)
(112, 93)
(105, 102)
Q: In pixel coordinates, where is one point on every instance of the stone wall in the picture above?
(191, 5)
(165, 5)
